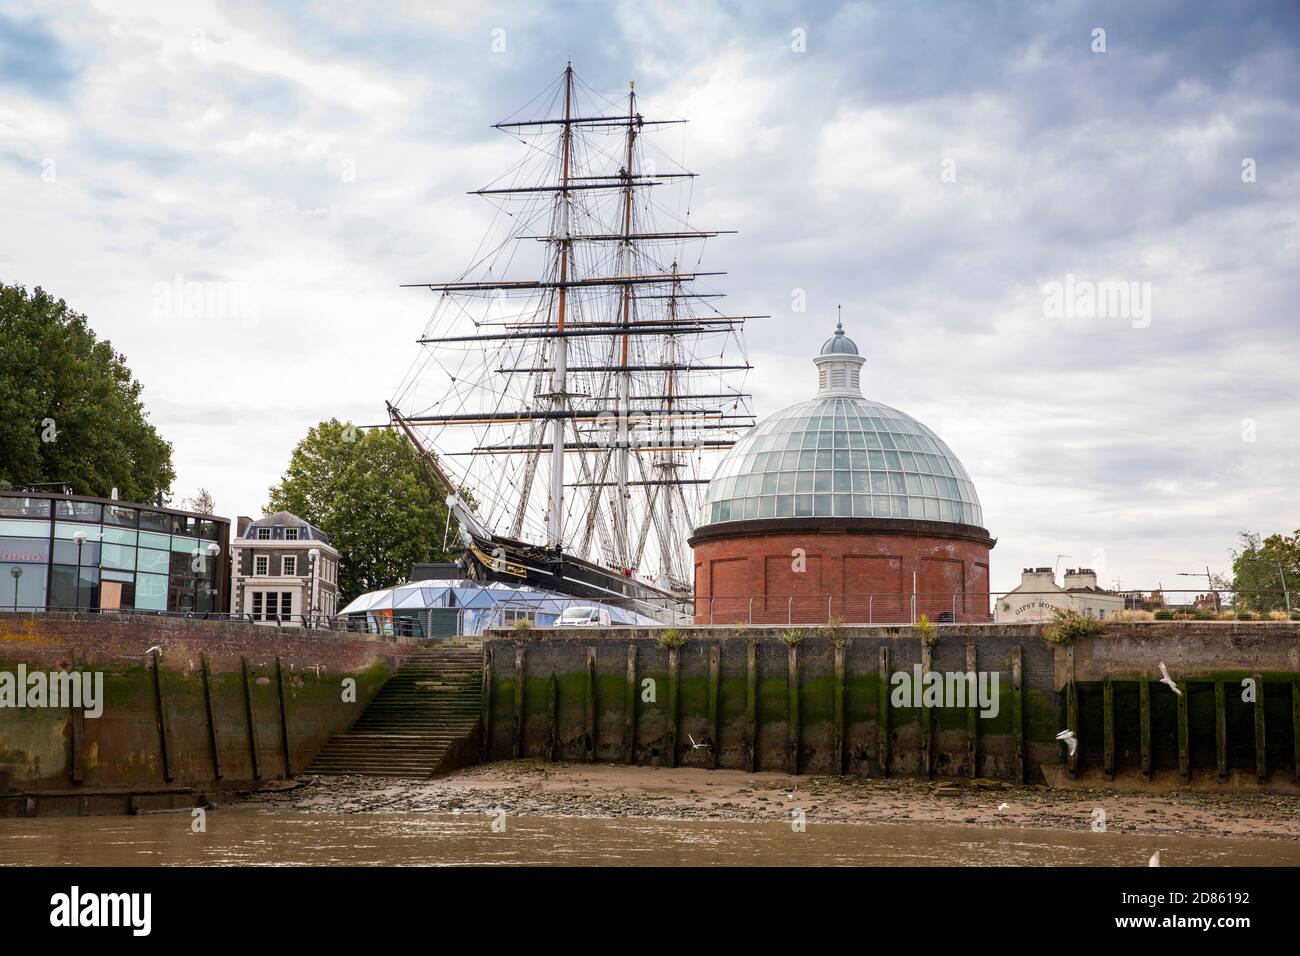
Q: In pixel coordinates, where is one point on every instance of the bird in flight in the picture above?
(1068, 737)
(154, 648)
(703, 744)
(1166, 679)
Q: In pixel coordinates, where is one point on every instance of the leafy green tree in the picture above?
(70, 409)
(373, 495)
(1259, 567)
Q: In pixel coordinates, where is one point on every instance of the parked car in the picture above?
(583, 616)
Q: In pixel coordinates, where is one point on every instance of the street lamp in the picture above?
(80, 538)
(214, 550)
(1209, 582)
(17, 572)
(313, 555)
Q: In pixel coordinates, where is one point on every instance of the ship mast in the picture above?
(560, 374)
(625, 378)
(610, 355)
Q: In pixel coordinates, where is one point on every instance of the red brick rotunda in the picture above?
(841, 508)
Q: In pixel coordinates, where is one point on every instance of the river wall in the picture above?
(744, 699)
(187, 704)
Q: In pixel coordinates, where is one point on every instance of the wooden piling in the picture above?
(882, 711)
(673, 672)
(77, 730)
(1261, 755)
(253, 749)
(284, 718)
(927, 765)
(1295, 730)
(1072, 716)
(715, 676)
(839, 709)
(751, 705)
(517, 731)
(213, 743)
(485, 700)
(1017, 716)
(629, 708)
(1184, 748)
(792, 698)
(552, 715)
(589, 738)
(972, 716)
(163, 729)
(1220, 732)
(1108, 728)
(1144, 726)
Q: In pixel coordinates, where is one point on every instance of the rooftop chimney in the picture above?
(1080, 578)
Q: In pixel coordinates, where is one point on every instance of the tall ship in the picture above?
(576, 382)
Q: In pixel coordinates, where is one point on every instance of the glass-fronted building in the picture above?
(70, 552)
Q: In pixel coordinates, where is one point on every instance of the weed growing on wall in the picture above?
(671, 638)
(1069, 624)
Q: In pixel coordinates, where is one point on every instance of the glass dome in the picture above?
(841, 457)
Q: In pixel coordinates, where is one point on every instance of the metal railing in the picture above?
(307, 621)
(791, 610)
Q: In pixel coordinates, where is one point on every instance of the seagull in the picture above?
(1166, 679)
(702, 745)
(154, 648)
(1155, 859)
(1068, 737)
(1003, 806)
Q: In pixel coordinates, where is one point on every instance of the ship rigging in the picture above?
(577, 379)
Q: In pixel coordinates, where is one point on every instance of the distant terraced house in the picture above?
(1039, 597)
(284, 571)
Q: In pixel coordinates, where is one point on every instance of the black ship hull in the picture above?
(507, 561)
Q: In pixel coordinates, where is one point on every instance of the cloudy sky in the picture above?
(933, 167)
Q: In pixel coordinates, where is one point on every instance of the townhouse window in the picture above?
(286, 604)
(257, 605)
(290, 534)
(289, 565)
(272, 605)
(261, 565)
(263, 534)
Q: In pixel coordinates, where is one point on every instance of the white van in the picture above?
(583, 616)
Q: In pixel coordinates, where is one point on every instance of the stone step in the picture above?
(431, 704)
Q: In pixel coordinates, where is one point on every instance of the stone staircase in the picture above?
(424, 720)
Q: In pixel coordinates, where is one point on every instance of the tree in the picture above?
(202, 502)
(1259, 567)
(373, 495)
(70, 409)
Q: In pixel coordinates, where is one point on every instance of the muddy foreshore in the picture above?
(534, 788)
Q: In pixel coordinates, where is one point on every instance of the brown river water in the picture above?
(249, 836)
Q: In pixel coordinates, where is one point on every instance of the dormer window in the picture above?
(263, 534)
(290, 534)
